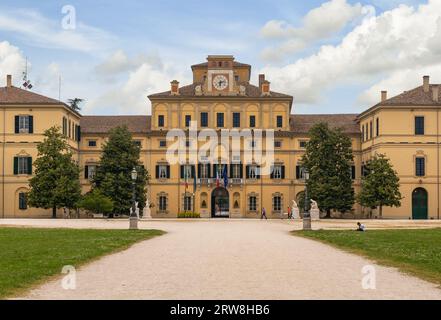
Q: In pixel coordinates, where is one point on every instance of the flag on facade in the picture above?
(217, 178)
(225, 176)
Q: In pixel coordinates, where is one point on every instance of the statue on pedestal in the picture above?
(315, 211)
(136, 210)
(147, 214)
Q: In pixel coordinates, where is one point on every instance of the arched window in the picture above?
(236, 200)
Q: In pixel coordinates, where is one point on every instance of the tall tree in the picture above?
(328, 159)
(75, 103)
(56, 183)
(380, 185)
(113, 175)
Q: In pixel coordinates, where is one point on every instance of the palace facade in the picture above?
(406, 128)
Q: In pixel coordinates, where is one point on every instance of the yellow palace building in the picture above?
(406, 128)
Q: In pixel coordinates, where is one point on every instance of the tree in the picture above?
(380, 186)
(96, 202)
(113, 175)
(75, 103)
(56, 183)
(328, 159)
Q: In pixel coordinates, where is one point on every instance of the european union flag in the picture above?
(225, 176)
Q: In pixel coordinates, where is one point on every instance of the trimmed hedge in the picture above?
(189, 215)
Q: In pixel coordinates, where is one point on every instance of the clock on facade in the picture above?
(220, 82)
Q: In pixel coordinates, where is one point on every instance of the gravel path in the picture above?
(227, 259)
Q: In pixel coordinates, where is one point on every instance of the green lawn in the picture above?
(28, 256)
(417, 252)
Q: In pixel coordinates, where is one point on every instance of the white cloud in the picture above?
(12, 62)
(319, 23)
(40, 31)
(130, 96)
(405, 38)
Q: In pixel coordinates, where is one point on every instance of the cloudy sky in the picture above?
(332, 56)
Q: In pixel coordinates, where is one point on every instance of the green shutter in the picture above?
(31, 124)
(17, 124)
(29, 165)
(15, 165)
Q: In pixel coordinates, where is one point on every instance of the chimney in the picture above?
(435, 92)
(174, 88)
(8, 81)
(261, 80)
(426, 83)
(265, 88)
(383, 96)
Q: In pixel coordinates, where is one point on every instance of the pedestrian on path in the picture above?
(263, 214)
(289, 213)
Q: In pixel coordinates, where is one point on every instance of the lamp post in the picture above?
(306, 214)
(133, 217)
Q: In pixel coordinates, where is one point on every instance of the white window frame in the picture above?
(22, 167)
(162, 171)
(23, 124)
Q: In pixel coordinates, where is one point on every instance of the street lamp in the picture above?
(133, 217)
(306, 214)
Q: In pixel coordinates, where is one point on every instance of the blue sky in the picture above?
(333, 56)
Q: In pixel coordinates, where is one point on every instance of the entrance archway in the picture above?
(419, 204)
(220, 203)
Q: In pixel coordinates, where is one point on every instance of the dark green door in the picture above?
(419, 204)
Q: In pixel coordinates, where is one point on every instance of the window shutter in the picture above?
(297, 172)
(353, 172)
(193, 171)
(247, 173)
(168, 172)
(231, 170)
(17, 124)
(86, 172)
(78, 133)
(241, 170)
(182, 172)
(31, 124)
(283, 172)
(272, 172)
(199, 170)
(29, 165)
(157, 172)
(258, 172)
(214, 170)
(209, 171)
(15, 165)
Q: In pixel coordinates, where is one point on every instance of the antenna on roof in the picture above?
(26, 82)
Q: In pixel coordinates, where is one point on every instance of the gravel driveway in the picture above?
(227, 259)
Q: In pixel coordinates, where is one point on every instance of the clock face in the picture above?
(220, 82)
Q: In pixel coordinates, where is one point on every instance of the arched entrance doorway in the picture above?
(419, 204)
(220, 203)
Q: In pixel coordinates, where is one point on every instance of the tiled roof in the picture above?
(189, 91)
(415, 97)
(102, 124)
(302, 123)
(14, 95)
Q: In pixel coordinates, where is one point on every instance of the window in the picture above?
(163, 172)
(277, 144)
(22, 165)
(252, 203)
(253, 172)
(24, 124)
(419, 125)
(204, 119)
(220, 120)
(277, 203)
(138, 143)
(303, 144)
(187, 171)
(362, 133)
(353, 175)
(22, 201)
(252, 121)
(162, 205)
(187, 203)
(377, 127)
(70, 129)
(236, 120)
(371, 130)
(187, 120)
(161, 121)
(89, 171)
(420, 167)
(253, 144)
(64, 126)
(187, 143)
(162, 143)
(92, 143)
(300, 172)
(236, 78)
(235, 171)
(278, 172)
(204, 171)
(279, 122)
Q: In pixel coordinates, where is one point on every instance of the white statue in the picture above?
(315, 211)
(136, 210)
(198, 90)
(147, 214)
(295, 212)
(242, 90)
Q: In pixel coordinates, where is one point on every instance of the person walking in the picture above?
(289, 213)
(263, 214)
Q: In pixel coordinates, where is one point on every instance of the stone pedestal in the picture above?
(133, 223)
(307, 223)
(295, 213)
(315, 214)
(147, 213)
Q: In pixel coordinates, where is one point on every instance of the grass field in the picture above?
(417, 252)
(28, 256)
